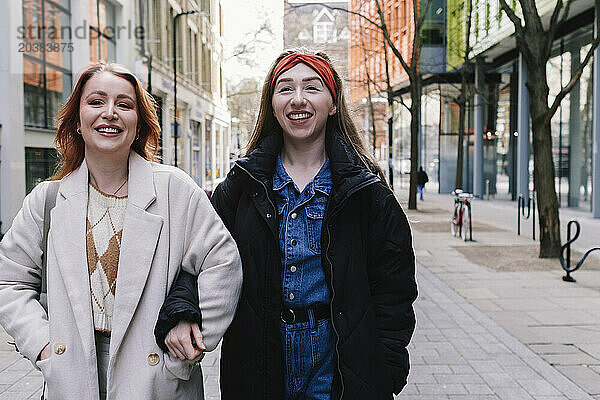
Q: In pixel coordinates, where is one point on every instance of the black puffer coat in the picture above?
(369, 266)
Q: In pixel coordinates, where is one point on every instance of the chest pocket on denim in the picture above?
(314, 223)
(281, 205)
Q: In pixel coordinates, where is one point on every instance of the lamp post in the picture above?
(176, 125)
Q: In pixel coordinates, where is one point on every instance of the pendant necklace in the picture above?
(119, 188)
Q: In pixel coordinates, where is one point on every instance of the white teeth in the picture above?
(299, 116)
(108, 130)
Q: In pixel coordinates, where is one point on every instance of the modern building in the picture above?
(48, 41)
(368, 74)
(500, 119)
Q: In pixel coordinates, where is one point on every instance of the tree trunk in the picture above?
(543, 171)
(462, 100)
(372, 113)
(415, 120)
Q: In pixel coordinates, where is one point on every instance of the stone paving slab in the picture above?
(535, 306)
(458, 352)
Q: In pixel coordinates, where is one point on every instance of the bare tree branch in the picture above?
(512, 16)
(387, 37)
(565, 90)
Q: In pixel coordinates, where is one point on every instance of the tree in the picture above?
(414, 77)
(535, 43)
(243, 100)
(461, 100)
(368, 52)
(379, 21)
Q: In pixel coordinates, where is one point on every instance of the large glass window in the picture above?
(434, 25)
(47, 47)
(40, 164)
(206, 67)
(102, 30)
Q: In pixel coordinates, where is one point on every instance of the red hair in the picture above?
(70, 144)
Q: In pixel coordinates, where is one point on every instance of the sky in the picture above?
(241, 20)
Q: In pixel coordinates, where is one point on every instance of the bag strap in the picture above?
(49, 204)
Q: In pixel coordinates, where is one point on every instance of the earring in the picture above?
(79, 131)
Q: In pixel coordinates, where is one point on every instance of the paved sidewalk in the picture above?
(558, 321)
(459, 353)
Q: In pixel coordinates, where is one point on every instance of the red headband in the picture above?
(319, 64)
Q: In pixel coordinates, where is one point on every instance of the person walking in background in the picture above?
(122, 228)
(329, 269)
(422, 179)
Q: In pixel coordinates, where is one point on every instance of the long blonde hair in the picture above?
(266, 123)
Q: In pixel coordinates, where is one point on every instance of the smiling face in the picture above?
(108, 116)
(301, 103)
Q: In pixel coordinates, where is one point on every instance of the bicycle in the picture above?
(461, 217)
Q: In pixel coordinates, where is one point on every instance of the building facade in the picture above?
(49, 41)
(318, 26)
(501, 120)
(368, 76)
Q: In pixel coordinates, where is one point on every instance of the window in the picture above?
(102, 30)
(205, 6)
(208, 161)
(169, 36)
(488, 12)
(218, 151)
(323, 32)
(40, 164)
(155, 43)
(194, 70)
(206, 68)
(46, 74)
(196, 128)
(180, 43)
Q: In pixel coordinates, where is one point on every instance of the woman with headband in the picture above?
(326, 305)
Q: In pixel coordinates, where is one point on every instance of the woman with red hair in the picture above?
(121, 229)
(326, 305)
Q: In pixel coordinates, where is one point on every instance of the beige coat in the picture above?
(169, 222)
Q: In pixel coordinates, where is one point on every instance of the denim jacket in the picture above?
(300, 220)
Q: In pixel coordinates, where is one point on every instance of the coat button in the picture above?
(232, 172)
(294, 242)
(293, 268)
(294, 215)
(291, 296)
(268, 215)
(153, 359)
(59, 348)
(255, 194)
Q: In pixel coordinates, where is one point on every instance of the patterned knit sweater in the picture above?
(104, 229)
